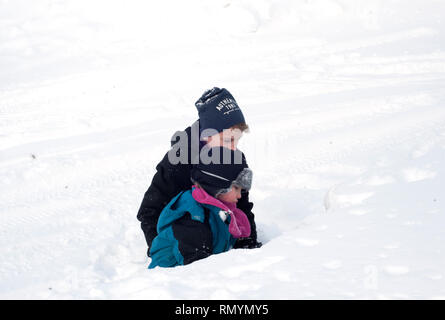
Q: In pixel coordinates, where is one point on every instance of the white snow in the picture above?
(346, 106)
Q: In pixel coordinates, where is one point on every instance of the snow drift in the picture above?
(345, 102)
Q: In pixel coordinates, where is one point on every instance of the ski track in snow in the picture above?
(347, 145)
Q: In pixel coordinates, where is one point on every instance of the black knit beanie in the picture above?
(218, 110)
(229, 167)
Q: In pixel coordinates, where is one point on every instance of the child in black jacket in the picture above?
(221, 123)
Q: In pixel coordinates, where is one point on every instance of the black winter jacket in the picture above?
(169, 180)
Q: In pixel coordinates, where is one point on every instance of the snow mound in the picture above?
(345, 103)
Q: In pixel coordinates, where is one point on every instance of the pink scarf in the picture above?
(239, 225)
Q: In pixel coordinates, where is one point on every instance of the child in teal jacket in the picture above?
(204, 220)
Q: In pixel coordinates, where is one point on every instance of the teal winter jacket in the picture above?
(189, 231)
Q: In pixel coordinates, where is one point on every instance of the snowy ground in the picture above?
(346, 104)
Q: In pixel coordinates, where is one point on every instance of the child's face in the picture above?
(229, 138)
(232, 196)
